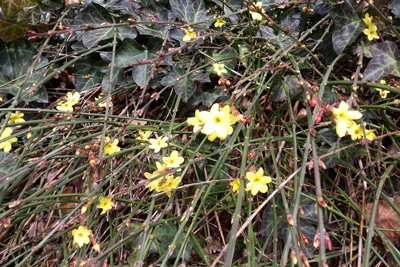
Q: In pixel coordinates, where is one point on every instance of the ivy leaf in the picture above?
(107, 84)
(12, 7)
(348, 27)
(19, 74)
(192, 11)
(166, 233)
(7, 163)
(384, 61)
(94, 37)
(129, 53)
(10, 30)
(183, 84)
(87, 74)
(230, 8)
(394, 6)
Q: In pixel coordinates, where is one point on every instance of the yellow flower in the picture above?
(235, 184)
(219, 23)
(103, 103)
(355, 131)
(219, 68)
(371, 32)
(382, 92)
(6, 145)
(370, 134)
(189, 34)
(256, 15)
(81, 235)
(367, 19)
(111, 147)
(173, 161)
(71, 100)
(158, 143)
(16, 118)
(156, 182)
(143, 135)
(257, 182)
(218, 122)
(168, 183)
(195, 121)
(105, 204)
(65, 107)
(344, 118)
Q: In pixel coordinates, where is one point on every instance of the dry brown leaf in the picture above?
(386, 218)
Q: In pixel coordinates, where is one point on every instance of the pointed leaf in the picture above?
(128, 53)
(93, 14)
(7, 163)
(87, 74)
(10, 30)
(12, 7)
(94, 37)
(107, 84)
(384, 61)
(166, 233)
(348, 27)
(16, 65)
(183, 84)
(191, 11)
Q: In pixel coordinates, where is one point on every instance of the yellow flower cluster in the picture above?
(257, 182)
(161, 179)
(371, 30)
(16, 117)
(69, 102)
(83, 235)
(219, 22)
(216, 123)
(344, 119)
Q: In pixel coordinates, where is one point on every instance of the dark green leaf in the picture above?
(191, 11)
(290, 85)
(183, 84)
(230, 8)
(166, 233)
(12, 7)
(10, 30)
(348, 27)
(107, 84)
(384, 61)
(7, 163)
(87, 74)
(16, 65)
(94, 37)
(130, 52)
(93, 14)
(206, 98)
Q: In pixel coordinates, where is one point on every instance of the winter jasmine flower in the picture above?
(173, 161)
(158, 143)
(81, 235)
(105, 204)
(168, 183)
(219, 68)
(111, 147)
(6, 145)
(189, 34)
(71, 100)
(371, 32)
(235, 184)
(16, 117)
(195, 121)
(217, 122)
(219, 23)
(143, 135)
(103, 103)
(257, 182)
(355, 131)
(344, 118)
(370, 134)
(382, 92)
(367, 19)
(255, 15)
